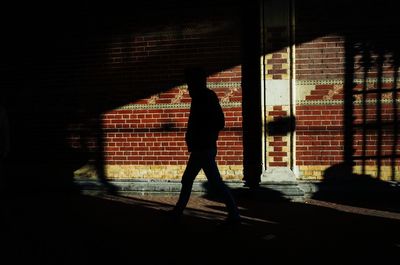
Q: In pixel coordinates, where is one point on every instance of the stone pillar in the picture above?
(278, 94)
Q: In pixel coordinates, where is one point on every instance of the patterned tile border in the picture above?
(217, 85)
(172, 106)
(341, 102)
(341, 81)
(225, 103)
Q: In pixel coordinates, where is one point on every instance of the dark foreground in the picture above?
(83, 229)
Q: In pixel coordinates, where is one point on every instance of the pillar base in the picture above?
(283, 181)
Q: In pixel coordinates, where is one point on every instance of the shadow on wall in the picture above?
(66, 70)
(68, 67)
(281, 126)
(369, 172)
(341, 185)
(371, 129)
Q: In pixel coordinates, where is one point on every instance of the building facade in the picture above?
(327, 96)
(309, 90)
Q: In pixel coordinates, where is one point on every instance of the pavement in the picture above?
(135, 229)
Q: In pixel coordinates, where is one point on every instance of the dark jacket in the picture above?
(206, 119)
(4, 134)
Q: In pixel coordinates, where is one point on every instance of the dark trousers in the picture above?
(205, 159)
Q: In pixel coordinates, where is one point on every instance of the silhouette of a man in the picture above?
(4, 143)
(206, 119)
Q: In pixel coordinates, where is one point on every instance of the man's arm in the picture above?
(4, 134)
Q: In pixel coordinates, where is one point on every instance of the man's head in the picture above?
(196, 79)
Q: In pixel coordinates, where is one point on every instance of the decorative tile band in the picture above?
(172, 106)
(217, 85)
(341, 81)
(341, 102)
(176, 104)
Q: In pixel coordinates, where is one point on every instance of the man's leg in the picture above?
(192, 169)
(214, 177)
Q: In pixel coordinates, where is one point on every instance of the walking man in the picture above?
(206, 119)
(4, 145)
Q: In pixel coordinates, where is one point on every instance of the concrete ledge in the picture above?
(309, 187)
(296, 191)
(274, 190)
(287, 189)
(313, 187)
(145, 186)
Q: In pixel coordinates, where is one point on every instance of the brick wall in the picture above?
(346, 90)
(277, 139)
(144, 137)
(97, 90)
(110, 81)
(146, 140)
